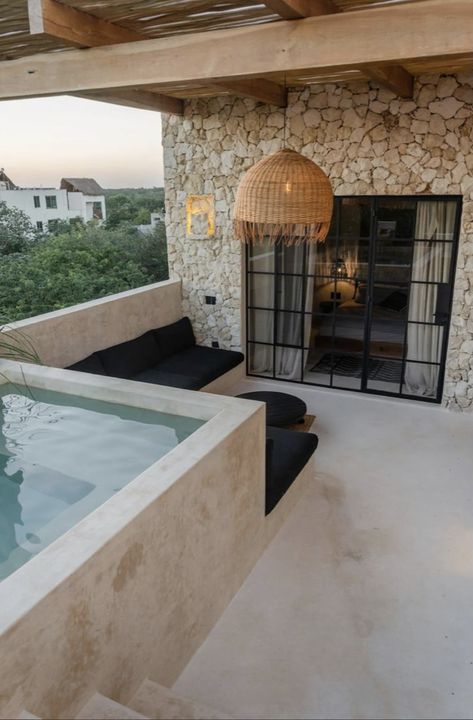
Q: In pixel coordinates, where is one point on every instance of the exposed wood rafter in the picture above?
(141, 99)
(395, 77)
(258, 89)
(418, 32)
(51, 18)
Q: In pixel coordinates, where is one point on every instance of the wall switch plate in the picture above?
(210, 300)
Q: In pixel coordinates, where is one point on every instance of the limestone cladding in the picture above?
(367, 140)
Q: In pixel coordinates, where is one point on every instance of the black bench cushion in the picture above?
(205, 364)
(163, 377)
(174, 338)
(132, 357)
(287, 453)
(91, 364)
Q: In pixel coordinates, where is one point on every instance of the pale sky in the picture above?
(43, 140)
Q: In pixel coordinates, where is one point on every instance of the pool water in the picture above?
(62, 456)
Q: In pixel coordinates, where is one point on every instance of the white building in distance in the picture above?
(157, 219)
(77, 199)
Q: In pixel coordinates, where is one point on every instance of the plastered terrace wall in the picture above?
(67, 336)
(133, 590)
(366, 139)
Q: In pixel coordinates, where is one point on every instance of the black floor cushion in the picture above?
(281, 408)
(287, 453)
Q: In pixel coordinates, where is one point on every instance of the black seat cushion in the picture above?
(174, 338)
(130, 358)
(162, 377)
(281, 408)
(203, 363)
(91, 364)
(287, 453)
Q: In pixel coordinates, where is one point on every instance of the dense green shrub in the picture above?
(76, 264)
(133, 205)
(16, 230)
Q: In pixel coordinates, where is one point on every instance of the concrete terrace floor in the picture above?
(362, 606)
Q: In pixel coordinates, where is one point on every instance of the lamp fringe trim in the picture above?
(253, 233)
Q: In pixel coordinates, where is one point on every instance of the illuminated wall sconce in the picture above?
(200, 217)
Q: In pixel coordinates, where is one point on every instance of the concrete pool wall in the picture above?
(133, 590)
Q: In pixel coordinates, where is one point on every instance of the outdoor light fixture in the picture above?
(200, 217)
(284, 197)
(339, 269)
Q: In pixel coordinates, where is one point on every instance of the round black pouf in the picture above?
(281, 409)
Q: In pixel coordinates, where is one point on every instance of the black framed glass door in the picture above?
(368, 310)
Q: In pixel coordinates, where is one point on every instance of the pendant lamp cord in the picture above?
(285, 113)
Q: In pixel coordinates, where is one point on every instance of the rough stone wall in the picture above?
(366, 139)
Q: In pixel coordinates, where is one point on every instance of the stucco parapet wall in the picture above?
(133, 589)
(367, 140)
(66, 336)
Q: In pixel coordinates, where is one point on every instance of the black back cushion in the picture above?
(174, 338)
(91, 364)
(132, 357)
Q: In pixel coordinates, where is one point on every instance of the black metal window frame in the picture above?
(374, 201)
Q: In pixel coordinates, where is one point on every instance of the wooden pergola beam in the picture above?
(327, 44)
(52, 19)
(61, 22)
(257, 88)
(141, 99)
(297, 9)
(395, 77)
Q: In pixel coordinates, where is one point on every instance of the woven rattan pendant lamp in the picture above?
(284, 197)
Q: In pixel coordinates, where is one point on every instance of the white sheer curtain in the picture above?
(431, 263)
(261, 295)
(291, 325)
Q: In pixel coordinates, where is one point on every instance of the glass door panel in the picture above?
(384, 375)
(421, 380)
(261, 258)
(431, 261)
(367, 310)
(355, 217)
(260, 359)
(261, 290)
(261, 326)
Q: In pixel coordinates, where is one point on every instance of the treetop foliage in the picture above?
(74, 264)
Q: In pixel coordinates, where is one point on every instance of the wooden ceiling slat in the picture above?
(152, 18)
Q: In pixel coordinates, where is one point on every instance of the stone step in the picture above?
(159, 703)
(100, 707)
